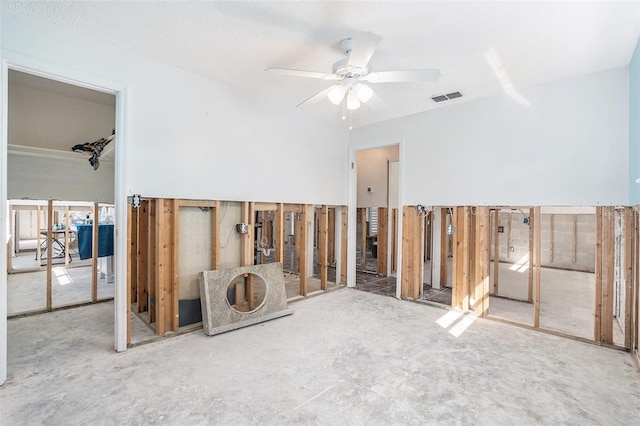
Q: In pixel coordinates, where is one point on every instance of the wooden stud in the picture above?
(536, 264)
(608, 271)
(481, 260)
(444, 248)
(280, 233)
(628, 275)
(143, 256)
(160, 284)
(412, 253)
(636, 281)
(38, 239)
(323, 249)
(460, 292)
(331, 237)
(265, 207)
(215, 236)
(530, 288)
(299, 229)
(496, 250)
(306, 217)
(394, 240)
(197, 203)
(264, 225)
(94, 254)
(383, 235)
(132, 264)
(49, 252)
(343, 246)
(248, 249)
(174, 254)
(597, 333)
(131, 260)
(153, 259)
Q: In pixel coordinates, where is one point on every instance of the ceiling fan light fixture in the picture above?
(336, 94)
(352, 101)
(363, 92)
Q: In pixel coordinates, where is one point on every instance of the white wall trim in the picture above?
(35, 66)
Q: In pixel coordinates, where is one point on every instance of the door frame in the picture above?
(53, 71)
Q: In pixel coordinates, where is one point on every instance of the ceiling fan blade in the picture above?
(364, 46)
(403, 76)
(302, 73)
(317, 97)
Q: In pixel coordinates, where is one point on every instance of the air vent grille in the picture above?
(448, 96)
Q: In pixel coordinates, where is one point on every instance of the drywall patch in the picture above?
(219, 317)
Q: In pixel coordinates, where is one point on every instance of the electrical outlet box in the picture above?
(242, 228)
(500, 229)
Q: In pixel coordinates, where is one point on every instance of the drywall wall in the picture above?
(43, 177)
(634, 127)
(373, 169)
(190, 137)
(568, 147)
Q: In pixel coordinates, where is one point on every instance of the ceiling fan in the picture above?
(352, 73)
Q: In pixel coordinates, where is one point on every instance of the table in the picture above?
(58, 247)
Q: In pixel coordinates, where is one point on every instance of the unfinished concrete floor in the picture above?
(347, 357)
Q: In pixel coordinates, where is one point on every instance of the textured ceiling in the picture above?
(234, 42)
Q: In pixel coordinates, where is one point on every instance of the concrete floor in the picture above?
(373, 360)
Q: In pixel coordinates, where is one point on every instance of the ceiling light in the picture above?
(336, 94)
(352, 101)
(363, 92)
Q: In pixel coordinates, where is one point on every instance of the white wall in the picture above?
(373, 173)
(190, 137)
(72, 179)
(569, 147)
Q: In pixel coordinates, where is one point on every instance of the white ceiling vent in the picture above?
(448, 96)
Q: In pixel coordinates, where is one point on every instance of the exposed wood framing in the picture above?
(248, 250)
(143, 256)
(343, 246)
(426, 251)
(166, 277)
(323, 248)
(215, 236)
(132, 263)
(94, 254)
(444, 248)
(132, 254)
(153, 258)
(394, 241)
(628, 275)
(362, 214)
(535, 222)
(174, 318)
(496, 251)
(38, 238)
(597, 333)
(412, 253)
(636, 282)
(305, 218)
(530, 288)
(383, 236)
(331, 237)
(265, 207)
(197, 203)
(49, 251)
(461, 277)
(479, 285)
(279, 233)
(608, 273)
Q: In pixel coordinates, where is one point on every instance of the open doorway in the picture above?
(376, 243)
(60, 200)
